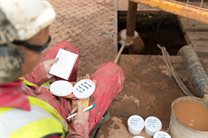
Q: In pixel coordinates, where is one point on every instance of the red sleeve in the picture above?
(38, 75)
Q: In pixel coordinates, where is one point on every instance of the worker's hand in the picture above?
(47, 66)
(87, 76)
(82, 117)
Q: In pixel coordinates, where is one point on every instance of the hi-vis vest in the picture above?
(42, 120)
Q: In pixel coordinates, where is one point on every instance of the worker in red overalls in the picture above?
(33, 111)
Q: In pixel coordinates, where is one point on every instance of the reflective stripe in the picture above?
(19, 118)
(26, 82)
(25, 123)
(4, 110)
(47, 107)
(46, 84)
(44, 129)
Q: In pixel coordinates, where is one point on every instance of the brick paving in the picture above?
(148, 90)
(90, 25)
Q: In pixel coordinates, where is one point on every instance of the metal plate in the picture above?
(90, 25)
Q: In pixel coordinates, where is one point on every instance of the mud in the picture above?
(192, 114)
(148, 90)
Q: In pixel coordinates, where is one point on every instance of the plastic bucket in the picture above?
(189, 118)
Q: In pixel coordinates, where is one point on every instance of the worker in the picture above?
(33, 111)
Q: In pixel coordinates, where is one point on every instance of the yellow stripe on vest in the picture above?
(51, 121)
(47, 107)
(26, 82)
(44, 129)
(4, 110)
(30, 84)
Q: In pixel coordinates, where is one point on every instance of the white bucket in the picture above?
(189, 118)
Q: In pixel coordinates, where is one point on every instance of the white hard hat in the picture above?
(22, 19)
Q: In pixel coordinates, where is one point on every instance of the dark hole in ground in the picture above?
(160, 28)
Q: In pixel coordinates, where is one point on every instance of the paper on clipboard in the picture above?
(65, 64)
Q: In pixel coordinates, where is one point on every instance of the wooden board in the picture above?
(191, 25)
(196, 36)
(199, 41)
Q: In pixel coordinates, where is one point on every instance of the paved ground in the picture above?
(149, 89)
(91, 25)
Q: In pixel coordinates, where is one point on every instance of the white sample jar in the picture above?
(135, 124)
(138, 137)
(84, 89)
(152, 125)
(61, 88)
(161, 134)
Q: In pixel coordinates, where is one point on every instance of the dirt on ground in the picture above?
(149, 90)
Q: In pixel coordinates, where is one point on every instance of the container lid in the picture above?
(138, 137)
(61, 88)
(153, 124)
(161, 134)
(136, 122)
(84, 89)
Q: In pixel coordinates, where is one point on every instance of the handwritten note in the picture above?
(64, 66)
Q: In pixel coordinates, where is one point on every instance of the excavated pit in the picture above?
(156, 28)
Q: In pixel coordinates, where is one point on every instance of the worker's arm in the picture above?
(40, 73)
(79, 128)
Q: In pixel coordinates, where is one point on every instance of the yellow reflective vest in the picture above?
(42, 120)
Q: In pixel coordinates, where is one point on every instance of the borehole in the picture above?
(155, 28)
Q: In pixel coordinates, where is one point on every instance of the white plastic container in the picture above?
(81, 90)
(138, 137)
(161, 134)
(135, 124)
(152, 125)
(61, 88)
(84, 89)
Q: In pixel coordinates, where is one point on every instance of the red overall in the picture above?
(109, 82)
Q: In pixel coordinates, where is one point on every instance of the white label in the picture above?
(134, 122)
(153, 123)
(161, 134)
(65, 64)
(84, 89)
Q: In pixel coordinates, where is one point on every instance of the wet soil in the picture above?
(148, 91)
(192, 114)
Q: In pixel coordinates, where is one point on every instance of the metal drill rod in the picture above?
(131, 18)
(119, 53)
